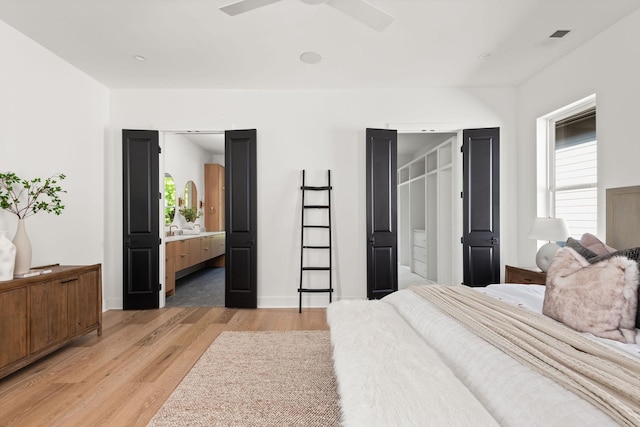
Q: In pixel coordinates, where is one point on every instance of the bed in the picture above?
(565, 354)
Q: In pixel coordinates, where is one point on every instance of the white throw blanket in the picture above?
(402, 362)
(388, 376)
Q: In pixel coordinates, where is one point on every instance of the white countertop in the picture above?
(190, 236)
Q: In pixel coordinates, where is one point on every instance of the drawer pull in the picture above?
(69, 280)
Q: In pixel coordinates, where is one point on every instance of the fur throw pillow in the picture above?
(592, 257)
(632, 254)
(599, 298)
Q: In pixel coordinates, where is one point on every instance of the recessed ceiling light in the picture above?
(140, 57)
(484, 55)
(310, 57)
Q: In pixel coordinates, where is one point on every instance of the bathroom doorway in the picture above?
(194, 215)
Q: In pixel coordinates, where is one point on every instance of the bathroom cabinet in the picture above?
(214, 208)
(189, 254)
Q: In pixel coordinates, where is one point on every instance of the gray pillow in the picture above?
(580, 248)
(632, 254)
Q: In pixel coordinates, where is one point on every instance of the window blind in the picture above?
(576, 129)
(575, 180)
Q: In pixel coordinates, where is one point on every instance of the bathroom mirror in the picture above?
(191, 195)
(169, 199)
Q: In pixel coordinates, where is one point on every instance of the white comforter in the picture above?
(400, 362)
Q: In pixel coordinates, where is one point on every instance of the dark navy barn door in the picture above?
(382, 232)
(481, 205)
(241, 223)
(141, 224)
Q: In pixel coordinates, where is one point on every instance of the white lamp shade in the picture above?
(550, 229)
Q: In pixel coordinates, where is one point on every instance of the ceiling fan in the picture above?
(360, 10)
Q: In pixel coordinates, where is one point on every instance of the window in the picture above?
(573, 170)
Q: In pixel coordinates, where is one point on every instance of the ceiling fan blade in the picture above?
(364, 12)
(245, 6)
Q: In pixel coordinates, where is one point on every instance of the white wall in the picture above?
(53, 119)
(184, 161)
(609, 66)
(314, 130)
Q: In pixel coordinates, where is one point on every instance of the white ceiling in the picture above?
(411, 143)
(408, 143)
(212, 142)
(192, 44)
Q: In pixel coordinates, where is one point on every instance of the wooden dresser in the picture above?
(525, 275)
(40, 314)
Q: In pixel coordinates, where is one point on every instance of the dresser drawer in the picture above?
(420, 238)
(419, 254)
(420, 268)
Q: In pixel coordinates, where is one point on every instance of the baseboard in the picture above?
(308, 301)
(113, 304)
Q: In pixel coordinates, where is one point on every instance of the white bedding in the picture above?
(388, 376)
(531, 298)
(513, 394)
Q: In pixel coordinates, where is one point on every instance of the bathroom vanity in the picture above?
(185, 254)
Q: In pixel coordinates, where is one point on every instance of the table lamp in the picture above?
(552, 230)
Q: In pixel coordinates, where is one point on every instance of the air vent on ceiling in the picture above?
(559, 34)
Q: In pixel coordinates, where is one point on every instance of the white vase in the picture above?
(23, 249)
(7, 257)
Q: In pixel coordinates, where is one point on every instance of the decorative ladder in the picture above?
(308, 247)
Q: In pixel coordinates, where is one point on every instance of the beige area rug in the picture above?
(258, 379)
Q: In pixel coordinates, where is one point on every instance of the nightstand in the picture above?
(525, 275)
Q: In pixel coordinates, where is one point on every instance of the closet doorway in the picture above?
(445, 192)
(429, 167)
(194, 169)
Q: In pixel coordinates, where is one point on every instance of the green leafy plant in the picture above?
(190, 214)
(169, 199)
(25, 198)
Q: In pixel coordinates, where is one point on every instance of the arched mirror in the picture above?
(169, 199)
(191, 195)
(190, 208)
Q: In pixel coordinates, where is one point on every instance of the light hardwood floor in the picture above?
(123, 377)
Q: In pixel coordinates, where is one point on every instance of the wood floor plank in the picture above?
(138, 362)
(197, 314)
(107, 353)
(162, 388)
(39, 409)
(124, 376)
(226, 315)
